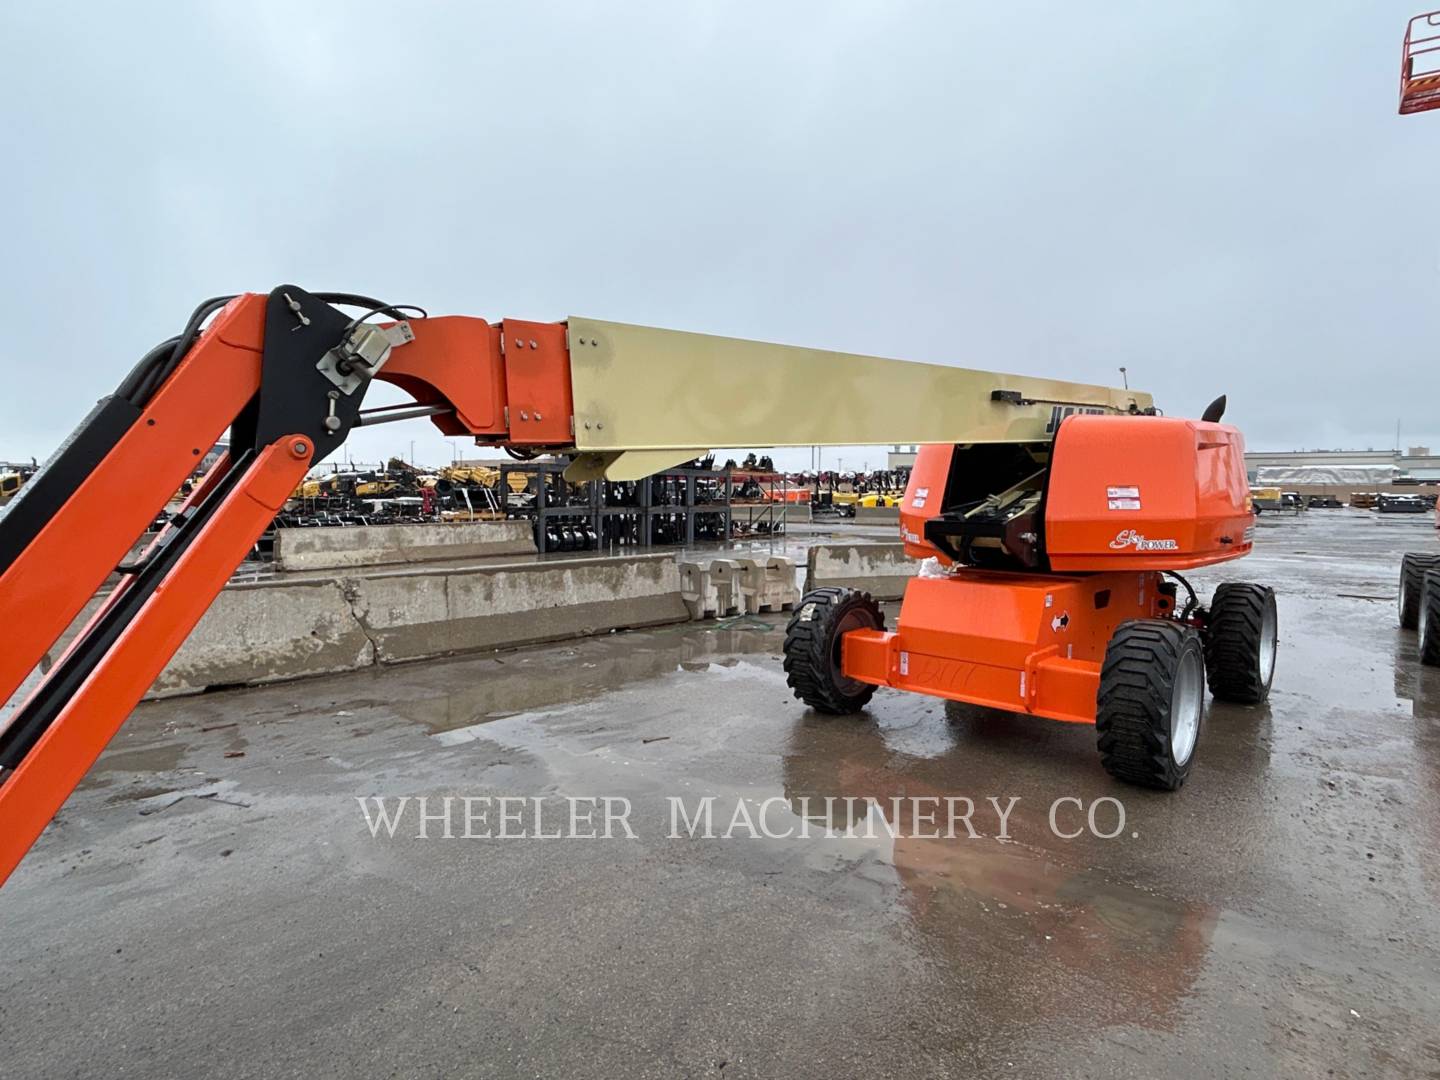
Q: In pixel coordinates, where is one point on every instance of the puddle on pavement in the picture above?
(527, 681)
(1416, 685)
(161, 758)
(138, 793)
(141, 763)
(1027, 916)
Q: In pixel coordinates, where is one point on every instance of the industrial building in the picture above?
(1414, 465)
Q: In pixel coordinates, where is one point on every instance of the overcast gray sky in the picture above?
(1218, 195)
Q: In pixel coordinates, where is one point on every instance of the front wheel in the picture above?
(1241, 639)
(812, 648)
(1151, 703)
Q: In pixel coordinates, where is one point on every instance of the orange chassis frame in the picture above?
(1029, 643)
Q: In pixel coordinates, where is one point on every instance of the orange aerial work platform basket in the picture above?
(1420, 64)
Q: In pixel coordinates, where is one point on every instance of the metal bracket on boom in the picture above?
(361, 353)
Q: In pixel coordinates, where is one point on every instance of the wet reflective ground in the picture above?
(212, 901)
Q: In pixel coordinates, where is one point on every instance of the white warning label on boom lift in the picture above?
(1123, 498)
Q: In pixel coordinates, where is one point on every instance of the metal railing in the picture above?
(1420, 91)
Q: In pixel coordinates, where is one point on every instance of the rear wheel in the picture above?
(1240, 642)
(1412, 572)
(1151, 703)
(1430, 619)
(812, 648)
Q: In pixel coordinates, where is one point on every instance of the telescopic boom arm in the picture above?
(287, 373)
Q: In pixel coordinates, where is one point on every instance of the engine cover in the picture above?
(1146, 492)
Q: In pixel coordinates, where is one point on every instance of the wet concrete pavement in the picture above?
(211, 900)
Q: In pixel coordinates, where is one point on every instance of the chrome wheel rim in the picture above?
(1185, 705)
(1269, 638)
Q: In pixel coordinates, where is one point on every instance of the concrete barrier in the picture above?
(711, 588)
(288, 629)
(269, 632)
(880, 569)
(697, 590)
(878, 515)
(725, 577)
(717, 588)
(768, 584)
(379, 545)
(425, 613)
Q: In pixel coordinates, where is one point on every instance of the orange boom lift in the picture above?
(1055, 589)
(1420, 64)
(1056, 530)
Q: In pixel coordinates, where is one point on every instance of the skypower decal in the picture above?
(1129, 538)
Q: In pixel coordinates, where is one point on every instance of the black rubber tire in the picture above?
(1430, 619)
(1412, 570)
(1133, 709)
(1233, 642)
(812, 648)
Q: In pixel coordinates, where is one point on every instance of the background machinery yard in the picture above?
(12, 476)
(1059, 515)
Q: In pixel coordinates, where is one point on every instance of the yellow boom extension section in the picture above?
(647, 399)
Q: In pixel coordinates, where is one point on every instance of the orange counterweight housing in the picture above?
(1146, 492)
